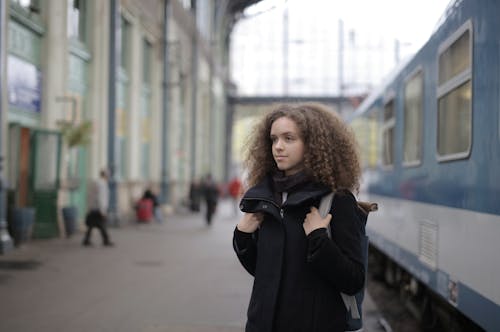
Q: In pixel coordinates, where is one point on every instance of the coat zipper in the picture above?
(282, 213)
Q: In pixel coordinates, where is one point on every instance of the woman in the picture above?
(298, 154)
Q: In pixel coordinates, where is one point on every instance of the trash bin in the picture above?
(70, 217)
(22, 224)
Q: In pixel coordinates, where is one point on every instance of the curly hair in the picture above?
(331, 154)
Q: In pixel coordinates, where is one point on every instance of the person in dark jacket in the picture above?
(195, 192)
(297, 155)
(211, 194)
(149, 194)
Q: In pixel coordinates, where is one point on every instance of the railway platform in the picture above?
(179, 276)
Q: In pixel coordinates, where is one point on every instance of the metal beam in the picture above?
(286, 99)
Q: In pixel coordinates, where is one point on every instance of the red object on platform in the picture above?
(235, 187)
(145, 210)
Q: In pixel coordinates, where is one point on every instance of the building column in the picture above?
(134, 121)
(5, 240)
(98, 84)
(54, 60)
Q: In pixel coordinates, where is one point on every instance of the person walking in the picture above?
(296, 155)
(211, 194)
(98, 208)
(195, 192)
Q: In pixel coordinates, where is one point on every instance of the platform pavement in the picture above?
(179, 276)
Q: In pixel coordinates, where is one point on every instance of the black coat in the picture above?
(297, 277)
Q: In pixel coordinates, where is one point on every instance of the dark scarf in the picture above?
(289, 183)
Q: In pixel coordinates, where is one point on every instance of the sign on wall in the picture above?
(24, 82)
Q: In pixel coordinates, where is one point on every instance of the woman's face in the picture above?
(287, 145)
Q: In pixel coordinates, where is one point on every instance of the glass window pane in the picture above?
(374, 140)
(454, 121)
(145, 158)
(146, 62)
(413, 119)
(389, 110)
(76, 19)
(455, 59)
(121, 157)
(388, 134)
(47, 161)
(361, 129)
(388, 156)
(124, 38)
(23, 3)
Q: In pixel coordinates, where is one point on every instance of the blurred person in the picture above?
(195, 193)
(98, 209)
(235, 189)
(144, 209)
(298, 154)
(211, 195)
(156, 205)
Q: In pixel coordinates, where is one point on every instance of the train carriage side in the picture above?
(433, 164)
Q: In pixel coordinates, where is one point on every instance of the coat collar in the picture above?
(264, 191)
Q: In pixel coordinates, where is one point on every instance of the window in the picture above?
(186, 3)
(413, 119)
(373, 141)
(360, 127)
(146, 109)
(454, 93)
(29, 12)
(367, 135)
(76, 19)
(29, 5)
(124, 40)
(388, 134)
(146, 62)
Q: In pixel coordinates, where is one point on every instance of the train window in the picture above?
(454, 94)
(366, 131)
(361, 128)
(413, 118)
(455, 59)
(388, 134)
(389, 110)
(373, 141)
(454, 127)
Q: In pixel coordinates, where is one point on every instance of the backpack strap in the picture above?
(324, 208)
(350, 301)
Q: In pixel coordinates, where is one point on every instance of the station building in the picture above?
(56, 74)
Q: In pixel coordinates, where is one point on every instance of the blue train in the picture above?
(430, 140)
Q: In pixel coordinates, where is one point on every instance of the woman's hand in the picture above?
(314, 221)
(250, 222)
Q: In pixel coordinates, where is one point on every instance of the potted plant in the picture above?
(74, 136)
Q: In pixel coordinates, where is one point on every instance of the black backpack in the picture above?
(353, 303)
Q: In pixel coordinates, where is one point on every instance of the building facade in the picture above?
(57, 65)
